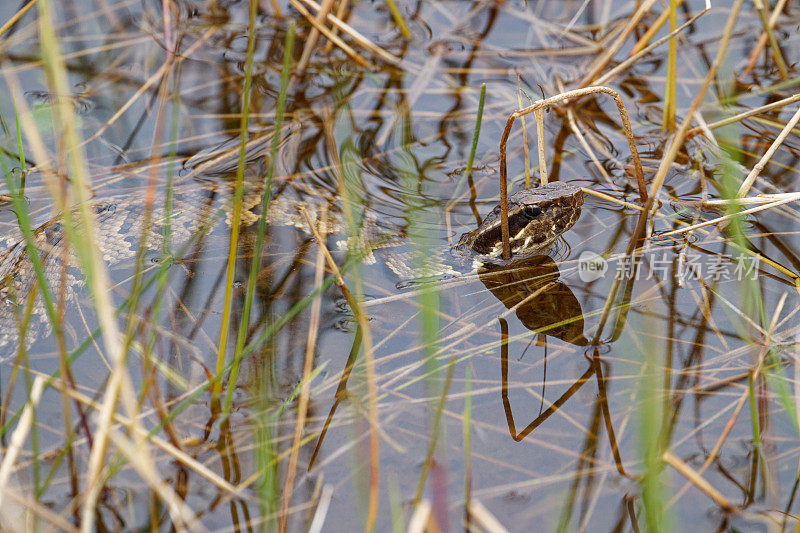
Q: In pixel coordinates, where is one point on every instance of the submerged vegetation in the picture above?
(230, 297)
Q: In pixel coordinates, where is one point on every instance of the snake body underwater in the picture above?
(537, 217)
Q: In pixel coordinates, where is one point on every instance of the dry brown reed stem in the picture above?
(752, 374)
(190, 462)
(746, 114)
(484, 517)
(698, 480)
(559, 30)
(182, 515)
(16, 16)
(9, 516)
(726, 431)
(773, 42)
(157, 75)
(167, 21)
(680, 135)
(758, 167)
(372, 392)
(634, 58)
(539, 114)
(750, 200)
(542, 104)
(651, 31)
(119, 385)
(313, 36)
(308, 367)
(372, 410)
(423, 521)
(573, 125)
(322, 510)
(339, 280)
(179, 455)
(603, 61)
(311, 41)
(341, 14)
(354, 34)
(671, 88)
(762, 40)
(20, 435)
(525, 153)
(398, 18)
(786, 200)
(276, 8)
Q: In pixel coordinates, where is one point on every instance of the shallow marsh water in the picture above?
(559, 428)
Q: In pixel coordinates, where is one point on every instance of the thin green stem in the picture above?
(477, 131)
(236, 214)
(398, 18)
(262, 221)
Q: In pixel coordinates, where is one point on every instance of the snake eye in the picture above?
(532, 211)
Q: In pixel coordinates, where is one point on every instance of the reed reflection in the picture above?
(531, 287)
(543, 304)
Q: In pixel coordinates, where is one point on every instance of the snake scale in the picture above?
(537, 217)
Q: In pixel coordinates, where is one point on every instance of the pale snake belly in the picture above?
(537, 217)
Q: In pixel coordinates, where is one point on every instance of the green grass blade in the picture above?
(236, 214)
(262, 221)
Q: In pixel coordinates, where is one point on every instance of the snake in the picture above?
(536, 218)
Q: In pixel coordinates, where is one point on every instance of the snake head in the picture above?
(536, 218)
